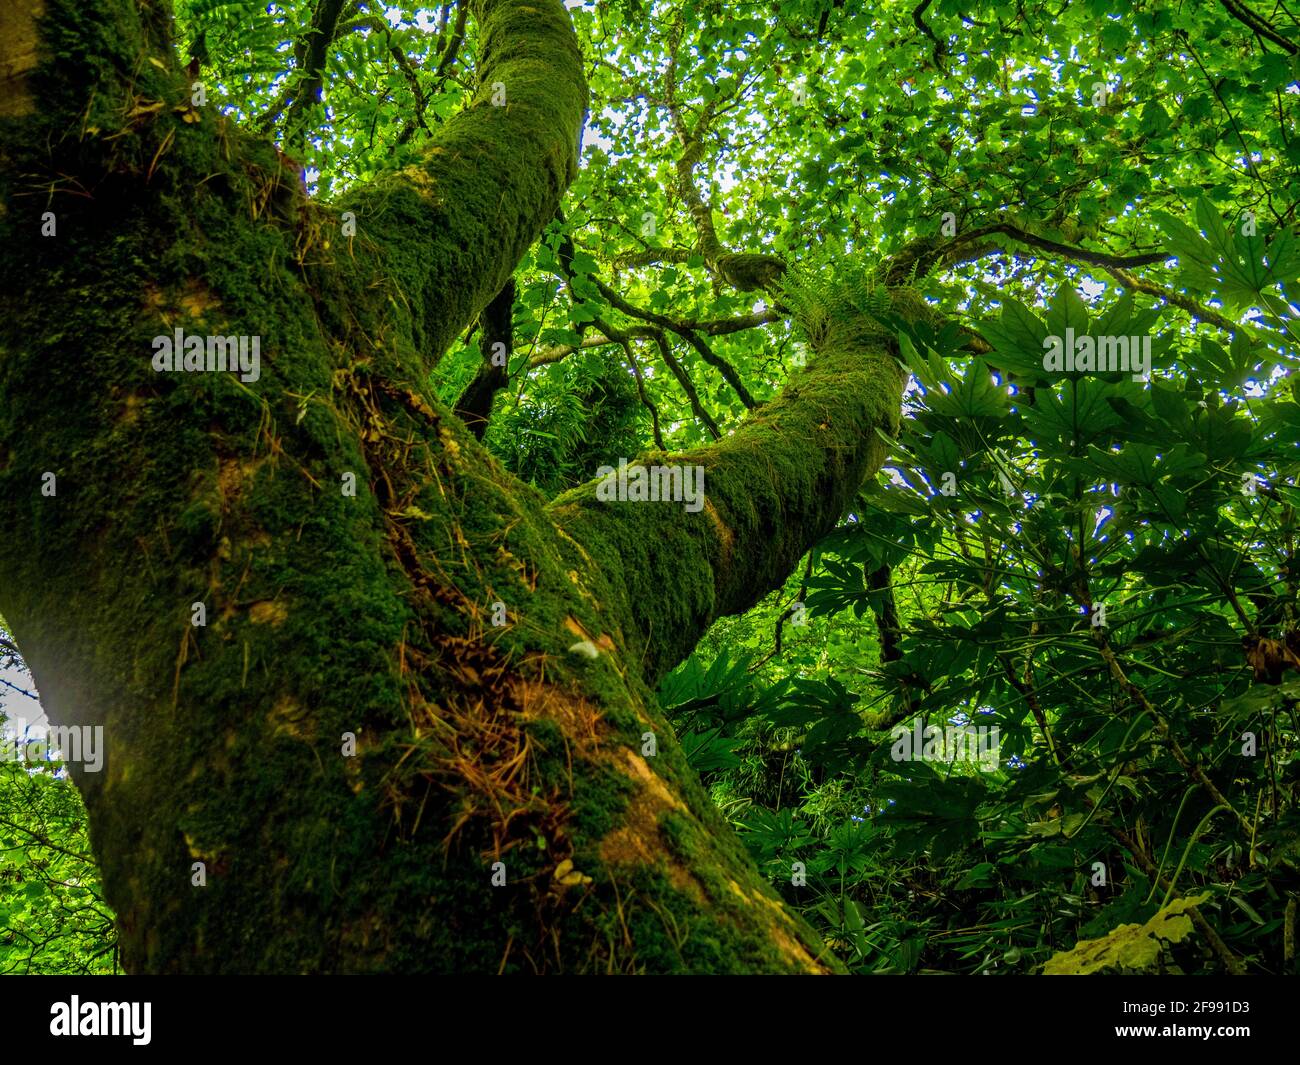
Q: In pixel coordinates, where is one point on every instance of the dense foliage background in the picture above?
(1103, 568)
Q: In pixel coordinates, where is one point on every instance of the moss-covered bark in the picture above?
(772, 489)
(371, 614)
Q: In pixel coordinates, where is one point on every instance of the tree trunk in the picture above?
(330, 612)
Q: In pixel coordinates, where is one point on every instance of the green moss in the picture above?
(773, 487)
(328, 613)
(452, 233)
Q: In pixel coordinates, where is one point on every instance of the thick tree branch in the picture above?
(331, 611)
(558, 352)
(925, 252)
(771, 489)
(489, 180)
(653, 257)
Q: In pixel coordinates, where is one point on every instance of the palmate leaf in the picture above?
(1130, 947)
(769, 833)
(1230, 264)
(1221, 434)
(839, 586)
(931, 813)
(1067, 311)
(941, 456)
(1283, 258)
(801, 702)
(849, 848)
(1224, 368)
(1017, 339)
(1125, 318)
(1216, 233)
(709, 751)
(693, 682)
(974, 395)
(1144, 464)
(1064, 420)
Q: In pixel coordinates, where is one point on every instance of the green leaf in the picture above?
(1130, 947)
(1067, 311)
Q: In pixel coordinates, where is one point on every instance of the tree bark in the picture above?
(371, 614)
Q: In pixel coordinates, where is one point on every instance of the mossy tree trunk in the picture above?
(369, 613)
